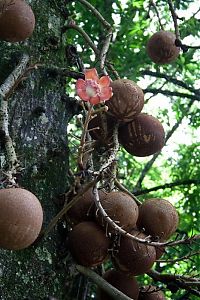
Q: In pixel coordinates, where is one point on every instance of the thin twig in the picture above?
(157, 13)
(96, 13)
(123, 189)
(174, 17)
(102, 283)
(11, 80)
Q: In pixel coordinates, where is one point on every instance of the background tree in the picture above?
(68, 37)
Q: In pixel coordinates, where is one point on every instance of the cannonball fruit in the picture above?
(84, 209)
(125, 284)
(151, 293)
(127, 100)
(104, 133)
(158, 217)
(132, 257)
(17, 20)
(21, 218)
(88, 244)
(161, 47)
(121, 208)
(143, 136)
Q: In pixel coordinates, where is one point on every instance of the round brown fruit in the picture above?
(127, 100)
(88, 244)
(125, 284)
(84, 209)
(134, 258)
(103, 134)
(158, 217)
(21, 218)
(121, 208)
(17, 20)
(143, 136)
(151, 293)
(161, 47)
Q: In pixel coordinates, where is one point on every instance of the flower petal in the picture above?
(80, 84)
(104, 81)
(95, 100)
(91, 74)
(83, 95)
(106, 93)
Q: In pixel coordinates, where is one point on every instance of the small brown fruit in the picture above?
(127, 100)
(88, 244)
(17, 20)
(121, 208)
(21, 218)
(125, 284)
(133, 257)
(158, 217)
(151, 293)
(84, 209)
(143, 136)
(161, 47)
(105, 132)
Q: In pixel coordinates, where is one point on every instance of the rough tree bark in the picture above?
(38, 118)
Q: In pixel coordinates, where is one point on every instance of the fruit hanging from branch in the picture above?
(17, 20)
(127, 100)
(89, 244)
(143, 136)
(161, 47)
(21, 218)
(158, 217)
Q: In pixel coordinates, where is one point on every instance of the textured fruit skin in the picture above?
(17, 20)
(121, 208)
(148, 294)
(104, 137)
(21, 218)
(127, 100)
(125, 284)
(84, 209)
(88, 244)
(161, 47)
(134, 258)
(158, 217)
(143, 136)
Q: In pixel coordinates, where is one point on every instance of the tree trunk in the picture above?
(39, 112)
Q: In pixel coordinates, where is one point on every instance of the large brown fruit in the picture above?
(17, 20)
(21, 218)
(88, 244)
(143, 136)
(125, 284)
(105, 132)
(133, 257)
(121, 208)
(158, 217)
(127, 100)
(161, 47)
(84, 209)
(150, 293)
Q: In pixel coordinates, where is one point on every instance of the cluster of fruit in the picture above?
(92, 240)
(139, 133)
(17, 20)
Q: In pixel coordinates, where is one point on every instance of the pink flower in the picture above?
(93, 89)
